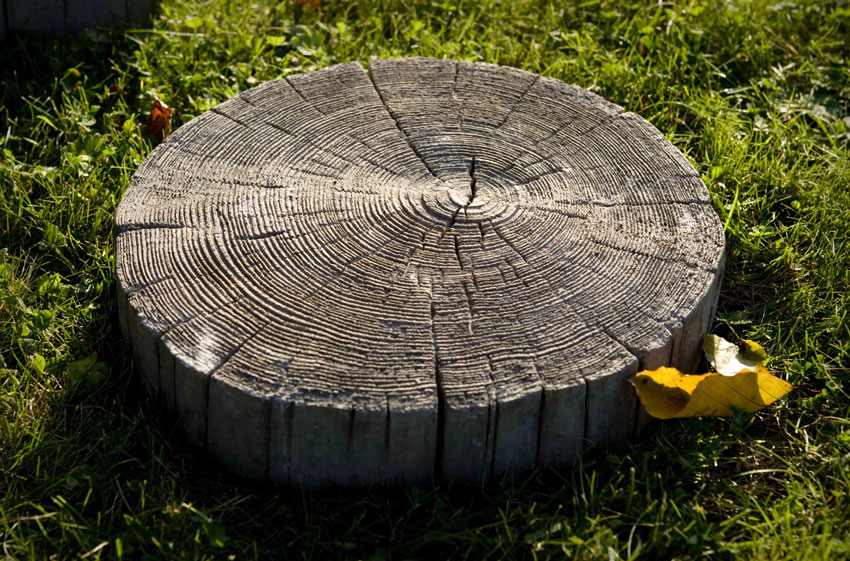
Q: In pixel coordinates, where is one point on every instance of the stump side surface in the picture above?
(426, 268)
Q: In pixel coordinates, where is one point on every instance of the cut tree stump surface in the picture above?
(424, 269)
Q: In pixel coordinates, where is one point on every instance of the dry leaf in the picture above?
(159, 122)
(728, 358)
(666, 393)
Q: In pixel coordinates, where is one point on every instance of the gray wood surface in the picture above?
(427, 269)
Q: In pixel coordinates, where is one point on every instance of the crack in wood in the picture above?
(546, 282)
(572, 119)
(351, 262)
(473, 184)
(636, 252)
(608, 118)
(407, 264)
(457, 252)
(209, 376)
(458, 106)
(313, 144)
(542, 175)
(145, 285)
(469, 305)
(347, 235)
(494, 450)
(298, 91)
(473, 190)
(203, 315)
(441, 397)
(135, 226)
(518, 102)
(617, 204)
(404, 133)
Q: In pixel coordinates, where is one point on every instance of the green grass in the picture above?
(755, 93)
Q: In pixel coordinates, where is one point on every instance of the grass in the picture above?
(755, 93)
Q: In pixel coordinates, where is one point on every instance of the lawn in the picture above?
(756, 94)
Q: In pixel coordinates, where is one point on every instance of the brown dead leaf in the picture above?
(159, 122)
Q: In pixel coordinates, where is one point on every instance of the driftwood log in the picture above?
(424, 269)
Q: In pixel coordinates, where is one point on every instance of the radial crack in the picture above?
(518, 102)
(551, 290)
(240, 122)
(193, 317)
(618, 113)
(398, 126)
(473, 182)
(133, 226)
(468, 295)
(145, 285)
(301, 95)
(457, 252)
(457, 105)
(308, 140)
(407, 264)
(351, 262)
(542, 175)
(441, 397)
(473, 190)
(209, 376)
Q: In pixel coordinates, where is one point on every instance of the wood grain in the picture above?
(427, 269)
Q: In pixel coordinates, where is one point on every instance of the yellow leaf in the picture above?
(666, 393)
(728, 358)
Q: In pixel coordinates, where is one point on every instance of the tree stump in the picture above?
(427, 269)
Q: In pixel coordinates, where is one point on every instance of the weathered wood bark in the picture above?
(429, 268)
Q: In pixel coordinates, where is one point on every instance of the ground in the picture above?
(756, 94)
